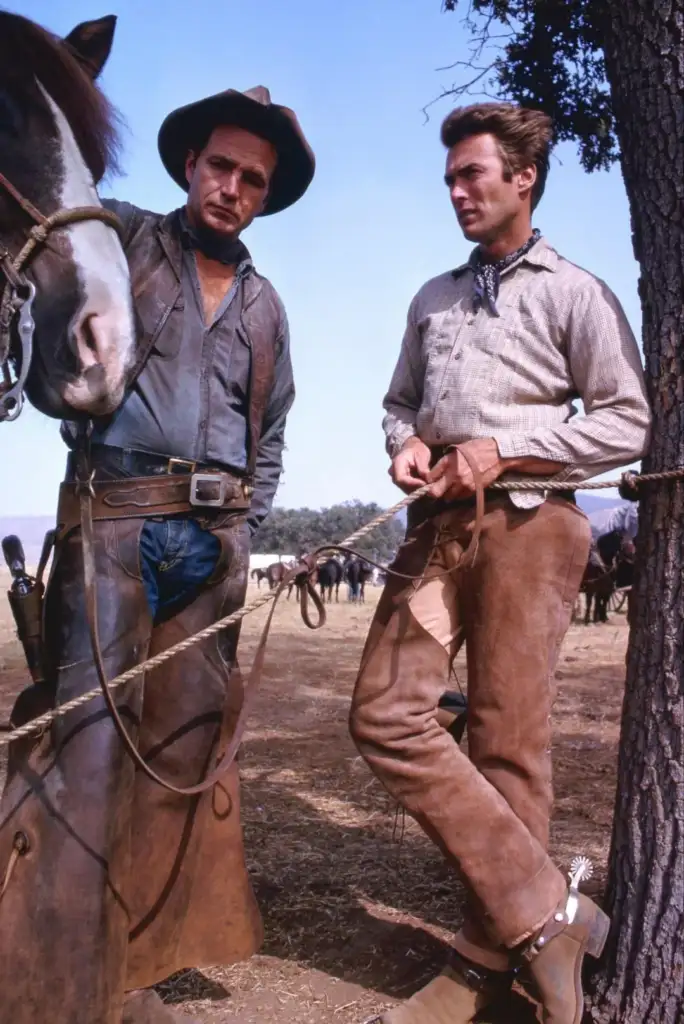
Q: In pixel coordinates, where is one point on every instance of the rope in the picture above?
(630, 480)
(38, 725)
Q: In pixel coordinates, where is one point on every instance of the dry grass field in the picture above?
(358, 905)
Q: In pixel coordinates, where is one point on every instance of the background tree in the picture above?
(298, 530)
(611, 73)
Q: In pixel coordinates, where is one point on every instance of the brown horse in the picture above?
(57, 137)
(274, 574)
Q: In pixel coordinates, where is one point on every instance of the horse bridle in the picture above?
(19, 293)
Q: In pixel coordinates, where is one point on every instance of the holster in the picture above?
(27, 610)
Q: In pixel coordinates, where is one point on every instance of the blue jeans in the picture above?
(176, 557)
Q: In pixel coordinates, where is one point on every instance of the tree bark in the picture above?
(641, 977)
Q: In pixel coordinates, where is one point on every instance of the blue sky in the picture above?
(375, 224)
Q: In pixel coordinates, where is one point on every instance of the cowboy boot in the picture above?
(455, 996)
(553, 970)
(144, 1006)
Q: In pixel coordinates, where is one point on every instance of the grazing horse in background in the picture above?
(57, 137)
(330, 575)
(611, 564)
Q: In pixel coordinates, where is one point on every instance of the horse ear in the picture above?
(91, 42)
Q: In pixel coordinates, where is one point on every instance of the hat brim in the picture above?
(189, 127)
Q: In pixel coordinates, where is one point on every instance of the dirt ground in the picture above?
(358, 905)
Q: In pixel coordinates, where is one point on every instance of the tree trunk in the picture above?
(641, 978)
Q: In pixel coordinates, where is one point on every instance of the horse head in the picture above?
(57, 140)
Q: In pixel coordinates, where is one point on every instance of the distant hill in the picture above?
(589, 502)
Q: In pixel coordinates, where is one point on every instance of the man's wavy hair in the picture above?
(524, 136)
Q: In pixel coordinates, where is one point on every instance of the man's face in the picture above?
(485, 203)
(229, 180)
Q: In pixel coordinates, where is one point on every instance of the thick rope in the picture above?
(38, 725)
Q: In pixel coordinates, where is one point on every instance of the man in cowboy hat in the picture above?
(126, 882)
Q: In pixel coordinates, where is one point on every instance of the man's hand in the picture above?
(410, 468)
(452, 477)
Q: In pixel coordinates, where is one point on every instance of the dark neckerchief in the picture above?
(488, 274)
(230, 251)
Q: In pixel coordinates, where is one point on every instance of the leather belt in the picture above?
(493, 494)
(202, 492)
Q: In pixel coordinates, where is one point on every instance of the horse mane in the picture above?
(28, 51)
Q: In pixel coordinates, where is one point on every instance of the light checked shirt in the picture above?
(561, 336)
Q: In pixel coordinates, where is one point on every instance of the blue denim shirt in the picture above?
(191, 398)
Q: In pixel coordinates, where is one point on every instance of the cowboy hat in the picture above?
(189, 128)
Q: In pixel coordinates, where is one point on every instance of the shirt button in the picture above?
(445, 394)
(203, 424)
(438, 436)
(457, 355)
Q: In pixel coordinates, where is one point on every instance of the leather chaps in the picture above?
(121, 883)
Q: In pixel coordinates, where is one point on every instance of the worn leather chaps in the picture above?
(123, 882)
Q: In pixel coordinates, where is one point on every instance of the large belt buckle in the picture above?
(215, 483)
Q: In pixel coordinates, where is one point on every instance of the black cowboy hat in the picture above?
(189, 128)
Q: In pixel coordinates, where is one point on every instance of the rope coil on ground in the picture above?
(39, 724)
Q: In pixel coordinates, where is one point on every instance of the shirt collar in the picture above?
(540, 255)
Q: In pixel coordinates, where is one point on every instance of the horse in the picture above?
(67, 330)
(357, 573)
(259, 575)
(274, 574)
(610, 564)
(330, 575)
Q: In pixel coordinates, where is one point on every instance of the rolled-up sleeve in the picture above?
(606, 368)
(403, 399)
(269, 462)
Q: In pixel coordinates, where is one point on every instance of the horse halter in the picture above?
(19, 293)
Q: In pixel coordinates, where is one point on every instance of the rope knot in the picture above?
(40, 233)
(629, 486)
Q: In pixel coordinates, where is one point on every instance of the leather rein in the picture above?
(19, 293)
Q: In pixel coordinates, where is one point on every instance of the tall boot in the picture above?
(554, 959)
